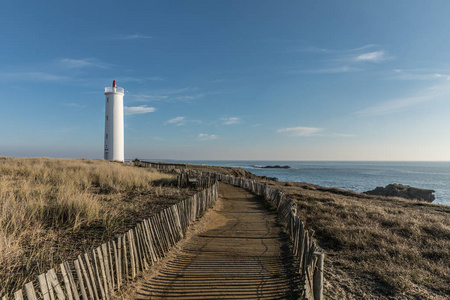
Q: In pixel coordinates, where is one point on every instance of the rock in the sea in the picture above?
(276, 167)
(404, 191)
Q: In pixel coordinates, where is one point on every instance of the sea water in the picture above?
(356, 176)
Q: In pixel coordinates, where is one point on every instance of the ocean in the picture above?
(355, 176)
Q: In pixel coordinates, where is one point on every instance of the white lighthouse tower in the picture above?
(114, 133)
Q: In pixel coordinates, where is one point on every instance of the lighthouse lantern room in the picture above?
(114, 129)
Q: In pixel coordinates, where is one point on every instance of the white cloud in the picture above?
(81, 63)
(230, 121)
(375, 56)
(435, 93)
(177, 121)
(310, 131)
(136, 36)
(32, 76)
(207, 137)
(343, 69)
(135, 110)
(299, 131)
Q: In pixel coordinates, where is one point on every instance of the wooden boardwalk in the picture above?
(242, 254)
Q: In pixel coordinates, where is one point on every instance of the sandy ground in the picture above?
(237, 251)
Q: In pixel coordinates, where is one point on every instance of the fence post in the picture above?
(318, 277)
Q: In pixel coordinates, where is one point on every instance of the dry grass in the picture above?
(54, 209)
(377, 247)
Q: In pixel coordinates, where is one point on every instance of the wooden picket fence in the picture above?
(304, 248)
(101, 272)
(160, 166)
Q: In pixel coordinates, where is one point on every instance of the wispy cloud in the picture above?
(299, 131)
(230, 121)
(135, 110)
(434, 93)
(343, 69)
(169, 95)
(309, 131)
(419, 75)
(207, 137)
(376, 56)
(177, 121)
(32, 76)
(136, 36)
(71, 63)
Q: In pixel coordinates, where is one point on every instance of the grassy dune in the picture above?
(53, 209)
(377, 247)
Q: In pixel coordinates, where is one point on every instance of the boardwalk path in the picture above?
(241, 255)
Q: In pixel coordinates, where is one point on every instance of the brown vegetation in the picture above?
(53, 209)
(377, 247)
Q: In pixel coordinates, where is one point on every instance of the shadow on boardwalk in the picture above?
(242, 255)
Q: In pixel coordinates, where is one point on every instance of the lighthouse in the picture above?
(114, 133)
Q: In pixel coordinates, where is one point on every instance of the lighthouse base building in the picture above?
(114, 123)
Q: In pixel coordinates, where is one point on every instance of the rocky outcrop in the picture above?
(404, 191)
(274, 167)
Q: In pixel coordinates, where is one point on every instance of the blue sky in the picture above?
(262, 80)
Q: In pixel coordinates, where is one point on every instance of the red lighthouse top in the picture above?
(114, 84)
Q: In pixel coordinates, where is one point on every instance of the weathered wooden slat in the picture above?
(318, 277)
(141, 246)
(97, 274)
(149, 241)
(139, 254)
(104, 249)
(18, 295)
(86, 278)
(103, 271)
(116, 262)
(29, 290)
(50, 286)
(66, 281)
(91, 276)
(135, 249)
(44, 287)
(119, 259)
(132, 259)
(72, 281)
(111, 265)
(125, 257)
(51, 275)
(80, 279)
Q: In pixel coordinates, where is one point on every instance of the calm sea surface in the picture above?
(356, 176)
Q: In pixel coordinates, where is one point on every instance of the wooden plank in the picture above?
(51, 274)
(97, 274)
(132, 260)
(80, 279)
(136, 254)
(111, 264)
(119, 258)
(141, 247)
(44, 287)
(136, 244)
(318, 277)
(125, 257)
(104, 249)
(149, 241)
(66, 281)
(18, 295)
(72, 281)
(91, 276)
(31, 293)
(86, 278)
(50, 286)
(102, 269)
(116, 262)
